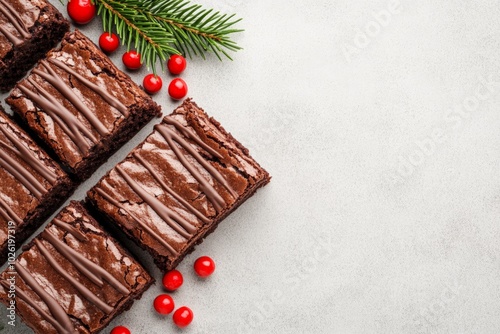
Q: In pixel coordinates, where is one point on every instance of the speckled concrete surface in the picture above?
(379, 123)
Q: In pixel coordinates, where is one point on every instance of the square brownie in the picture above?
(81, 106)
(28, 29)
(176, 186)
(32, 186)
(73, 277)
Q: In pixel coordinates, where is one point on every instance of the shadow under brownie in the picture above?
(28, 29)
(176, 186)
(32, 186)
(81, 106)
(73, 277)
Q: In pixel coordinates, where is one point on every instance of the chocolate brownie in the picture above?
(177, 185)
(28, 29)
(73, 277)
(81, 105)
(32, 186)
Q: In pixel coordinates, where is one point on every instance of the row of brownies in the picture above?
(170, 192)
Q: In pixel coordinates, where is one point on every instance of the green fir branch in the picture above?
(160, 28)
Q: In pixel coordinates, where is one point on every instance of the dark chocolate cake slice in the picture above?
(81, 106)
(73, 277)
(176, 186)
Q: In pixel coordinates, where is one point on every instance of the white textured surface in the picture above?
(349, 237)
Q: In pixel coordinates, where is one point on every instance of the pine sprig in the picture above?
(160, 28)
(196, 30)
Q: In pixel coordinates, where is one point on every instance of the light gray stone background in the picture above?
(379, 122)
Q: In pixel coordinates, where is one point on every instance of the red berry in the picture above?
(152, 83)
(132, 60)
(177, 89)
(172, 280)
(176, 64)
(81, 11)
(164, 304)
(120, 330)
(204, 266)
(109, 42)
(183, 316)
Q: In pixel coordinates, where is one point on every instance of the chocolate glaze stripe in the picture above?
(169, 190)
(172, 218)
(4, 214)
(66, 120)
(8, 213)
(14, 18)
(70, 229)
(110, 99)
(22, 175)
(83, 290)
(55, 308)
(12, 38)
(65, 90)
(27, 155)
(193, 136)
(170, 136)
(27, 299)
(93, 271)
(138, 221)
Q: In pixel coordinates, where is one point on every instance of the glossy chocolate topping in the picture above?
(94, 272)
(138, 221)
(63, 88)
(55, 308)
(45, 315)
(70, 124)
(15, 19)
(23, 152)
(68, 228)
(67, 276)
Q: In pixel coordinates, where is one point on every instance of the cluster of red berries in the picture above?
(164, 303)
(83, 11)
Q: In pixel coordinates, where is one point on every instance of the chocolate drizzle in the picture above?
(63, 88)
(22, 175)
(111, 100)
(11, 14)
(65, 118)
(57, 311)
(172, 218)
(138, 221)
(84, 291)
(27, 155)
(8, 213)
(170, 136)
(70, 229)
(27, 299)
(17, 170)
(169, 190)
(94, 272)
